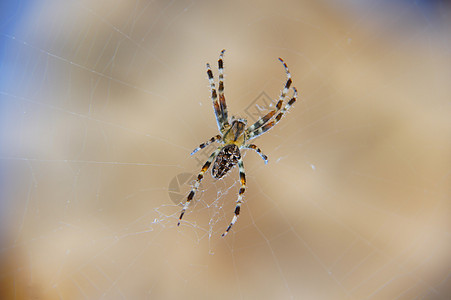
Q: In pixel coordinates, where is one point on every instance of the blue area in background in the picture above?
(431, 9)
(12, 13)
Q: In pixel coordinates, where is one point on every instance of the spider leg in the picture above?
(254, 147)
(240, 195)
(197, 183)
(203, 145)
(214, 98)
(269, 115)
(222, 101)
(260, 131)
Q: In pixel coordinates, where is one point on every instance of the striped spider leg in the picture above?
(240, 196)
(260, 130)
(219, 106)
(222, 102)
(197, 183)
(263, 120)
(259, 152)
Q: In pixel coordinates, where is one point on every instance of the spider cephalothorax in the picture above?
(234, 136)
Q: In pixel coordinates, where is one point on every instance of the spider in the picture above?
(234, 136)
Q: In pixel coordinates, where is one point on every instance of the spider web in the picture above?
(102, 102)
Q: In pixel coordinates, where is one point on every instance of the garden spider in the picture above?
(235, 136)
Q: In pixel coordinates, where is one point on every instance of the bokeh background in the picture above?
(103, 101)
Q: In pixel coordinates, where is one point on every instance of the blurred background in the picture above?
(103, 101)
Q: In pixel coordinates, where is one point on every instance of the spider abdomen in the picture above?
(226, 160)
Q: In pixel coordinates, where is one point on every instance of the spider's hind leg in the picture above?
(197, 183)
(240, 195)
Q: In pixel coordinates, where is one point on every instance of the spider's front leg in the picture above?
(219, 105)
(240, 195)
(278, 106)
(222, 101)
(197, 183)
(268, 126)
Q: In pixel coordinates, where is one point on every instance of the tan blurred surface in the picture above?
(107, 100)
